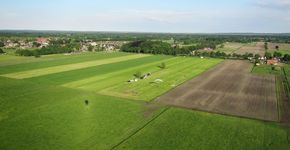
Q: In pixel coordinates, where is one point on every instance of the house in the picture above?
(207, 49)
(42, 41)
(272, 61)
(93, 44)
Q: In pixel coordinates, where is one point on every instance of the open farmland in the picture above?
(62, 68)
(228, 89)
(47, 110)
(109, 75)
(40, 116)
(241, 48)
(185, 129)
(254, 48)
(230, 47)
(284, 48)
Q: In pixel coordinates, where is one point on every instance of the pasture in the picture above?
(230, 47)
(186, 129)
(48, 117)
(43, 106)
(254, 48)
(108, 74)
(283, 48)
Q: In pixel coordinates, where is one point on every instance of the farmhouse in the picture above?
(272, 61)
(208, 49)
(42, 41)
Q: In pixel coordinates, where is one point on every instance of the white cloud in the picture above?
(149, 15)
(167, 16)
(274, 3)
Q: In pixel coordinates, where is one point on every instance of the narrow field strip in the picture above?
(69, 67)
(85, 73)
(18, 65)
(84, 83)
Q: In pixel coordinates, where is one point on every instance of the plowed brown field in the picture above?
(228, 89)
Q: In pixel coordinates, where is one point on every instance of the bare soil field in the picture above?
(255, 48)
(228, 89)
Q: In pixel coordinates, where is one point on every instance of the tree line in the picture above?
(159, 47)
(51, 49)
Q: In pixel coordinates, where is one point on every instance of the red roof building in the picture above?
(272, 62)
(42, 40)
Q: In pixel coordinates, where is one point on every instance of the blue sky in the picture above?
(182, 16)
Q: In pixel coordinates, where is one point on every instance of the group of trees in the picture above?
(51, 49)
(1, 51)
(1, 45)
(159, 47)
(56, 46)
(279, 55)
(152, 47)
(218, 54)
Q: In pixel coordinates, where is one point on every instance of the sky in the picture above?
(170, 16)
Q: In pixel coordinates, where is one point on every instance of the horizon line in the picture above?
(149, 32)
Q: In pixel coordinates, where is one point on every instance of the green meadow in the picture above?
(42, 106)
(184, 129)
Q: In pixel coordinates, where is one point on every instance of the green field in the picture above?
(230, 47)
(37, 116)
(266, 70)
(42, 106)
(183, 129)
(69, 67)
(108, 74)
(284, 48)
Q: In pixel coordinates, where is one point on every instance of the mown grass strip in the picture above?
(52, 61)
(85, 83)
(173, 76)
(69, 67)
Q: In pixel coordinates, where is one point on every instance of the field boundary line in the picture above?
(142, 127)
(219, 113)
(279, 97)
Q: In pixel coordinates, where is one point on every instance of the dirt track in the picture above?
(228, 89)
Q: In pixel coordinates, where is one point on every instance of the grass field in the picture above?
(266, 70)
(46, 109)
(287, 70)
(230, 47)
(108, 75)
(68, 67)
(34, 116)
(284, 48)
(179, 128)
(242, 48)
